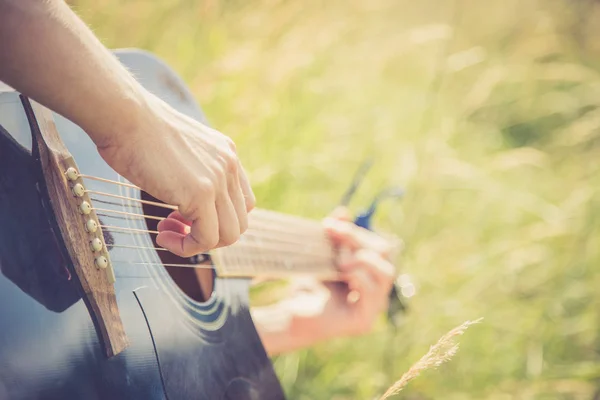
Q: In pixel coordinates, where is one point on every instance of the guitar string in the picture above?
(132, 230)
(97, 178)
(308, 264)
(247, 234)
(265, 213)
(324, 250)
(262, 225)
(276, 249)
(139, 216)
(230, 251)
(161, 264)
(298, 219)
(152, 203)
(270, 216)
(249, 241)
(126, 246)
(241, 272)
(92, 177)
(251, 233)
(313, 224)
(199, 266)
(245, 250)
(322, 255)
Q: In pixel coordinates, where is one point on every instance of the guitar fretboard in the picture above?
(277, 245)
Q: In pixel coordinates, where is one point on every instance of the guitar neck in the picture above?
(278, 246)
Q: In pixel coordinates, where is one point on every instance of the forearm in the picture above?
(50, 55)
(283, 329)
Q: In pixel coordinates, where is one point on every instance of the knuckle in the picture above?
(364, 255)
(389, 272)
(250, 202)
(187, 248)
(243, 226)
(228, 240)
(211, 242)
(219, 173)
(229, 161)
(231, 144)
(189, 252)
(232, 167)
(349, 230)
(190, 210)
(206, 187)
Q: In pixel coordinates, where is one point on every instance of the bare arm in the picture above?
(50, 55)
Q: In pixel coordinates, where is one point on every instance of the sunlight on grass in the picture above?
(487, 113)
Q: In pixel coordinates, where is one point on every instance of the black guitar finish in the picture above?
(180, 348)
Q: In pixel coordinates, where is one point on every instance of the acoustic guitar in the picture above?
(90, 307)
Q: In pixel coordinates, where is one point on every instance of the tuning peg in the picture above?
(403, 287)
(364, 218)
(359, 176)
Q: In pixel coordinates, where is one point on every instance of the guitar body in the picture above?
(179, 348)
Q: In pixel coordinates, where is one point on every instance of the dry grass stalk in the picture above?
(442, 351)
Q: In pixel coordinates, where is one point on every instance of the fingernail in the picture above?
(332, 223)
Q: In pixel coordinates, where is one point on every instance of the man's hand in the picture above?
(50, 55)
(317, 311)
(185, 163)
(366, 277)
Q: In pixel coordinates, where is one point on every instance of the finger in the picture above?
(229, 226)
(345, 233)
(381, 270)
(173, 225)
(239, 203)
(177, 216)
(172, 240)
(341, 213)
(249, 198)
(362, 282)
(203, 236)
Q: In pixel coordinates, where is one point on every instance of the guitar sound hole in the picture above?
(197, 283)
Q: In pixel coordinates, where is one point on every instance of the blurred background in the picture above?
(486, 112)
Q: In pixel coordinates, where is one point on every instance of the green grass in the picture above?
(487, 112)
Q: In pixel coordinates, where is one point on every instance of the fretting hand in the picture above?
(317, 311)
(366, 277)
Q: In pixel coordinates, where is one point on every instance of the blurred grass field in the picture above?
(486, 112)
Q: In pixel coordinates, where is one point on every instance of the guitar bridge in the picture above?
(81, 237)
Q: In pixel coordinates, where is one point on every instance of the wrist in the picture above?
(125, 113)
(292, 325)
(310, 328)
